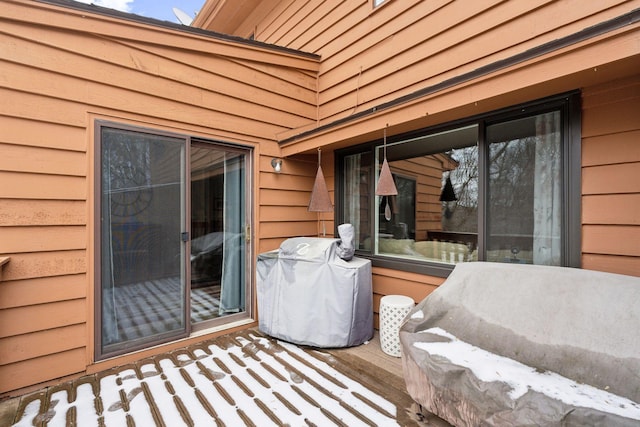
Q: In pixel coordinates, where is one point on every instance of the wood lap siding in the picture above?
(284, 200)
(371, 57)
(43, 192)
(388, 282)
(59, 69)
(611, 177)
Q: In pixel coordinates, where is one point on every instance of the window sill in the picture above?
(419, 267)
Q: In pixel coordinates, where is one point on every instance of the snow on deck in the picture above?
(250, 380)
(489, 367)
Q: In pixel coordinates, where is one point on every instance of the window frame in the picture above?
(570, 109)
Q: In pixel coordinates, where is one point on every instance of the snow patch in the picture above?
(489, 367)
(417, 315)
(198, 383)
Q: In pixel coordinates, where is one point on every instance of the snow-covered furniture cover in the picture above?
(308, 294)
(512, 345)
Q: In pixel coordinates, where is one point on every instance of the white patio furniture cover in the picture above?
(308, 295)
(500, 344)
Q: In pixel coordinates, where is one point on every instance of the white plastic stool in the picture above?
(393, 309)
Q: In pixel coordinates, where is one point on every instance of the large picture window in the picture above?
(503, 187)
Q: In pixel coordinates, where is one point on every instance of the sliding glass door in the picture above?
(172, 244)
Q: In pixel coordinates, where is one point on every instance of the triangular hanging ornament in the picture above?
(320, 200)
(386, 186)
(448, 194)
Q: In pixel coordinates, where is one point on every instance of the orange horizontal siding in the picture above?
(266, 244)
(416, 286)
(611, 179)
(45, 264)
(71, 110)
(615, 209)
(611, 264)
(21, 293)
(315, 16)
(290, 30)
(42, 239)
(392, 282)
(48, 16)
(23, 212)
(36, 108)
(18, 185)
(31, 372)
(20, 347)
(25, 320)
(286, 214)
(21, 130)
(621, 147)
(610, 184)
(270, 230)
(19, 158)
(284, 199)
(428, 41)
(611, 239)
(284, 181)
(274, 197)
(61, 69)
(286, 19)
(215, 101)
(612, 118)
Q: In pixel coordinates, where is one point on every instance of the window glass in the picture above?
(434, 215)
(142, 217)
(459, 206)
(525, 191)
(357, 197)
(503, 188)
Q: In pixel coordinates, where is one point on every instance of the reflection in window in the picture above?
(489, 191)
(424, 223)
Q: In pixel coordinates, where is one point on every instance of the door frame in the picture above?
(225, 322)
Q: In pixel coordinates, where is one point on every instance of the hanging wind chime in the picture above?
(386, 186)
(320, 200)
(447, 196)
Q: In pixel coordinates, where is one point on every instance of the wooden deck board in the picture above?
(244, 378)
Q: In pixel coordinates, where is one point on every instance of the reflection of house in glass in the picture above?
(441, 180)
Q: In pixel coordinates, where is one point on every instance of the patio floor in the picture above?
(240, 379)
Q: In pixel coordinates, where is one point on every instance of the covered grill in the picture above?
(309, 295)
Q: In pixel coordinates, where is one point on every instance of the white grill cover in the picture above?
(308, 295)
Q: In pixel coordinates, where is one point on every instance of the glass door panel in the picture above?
(142, 295)
(218, 245)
